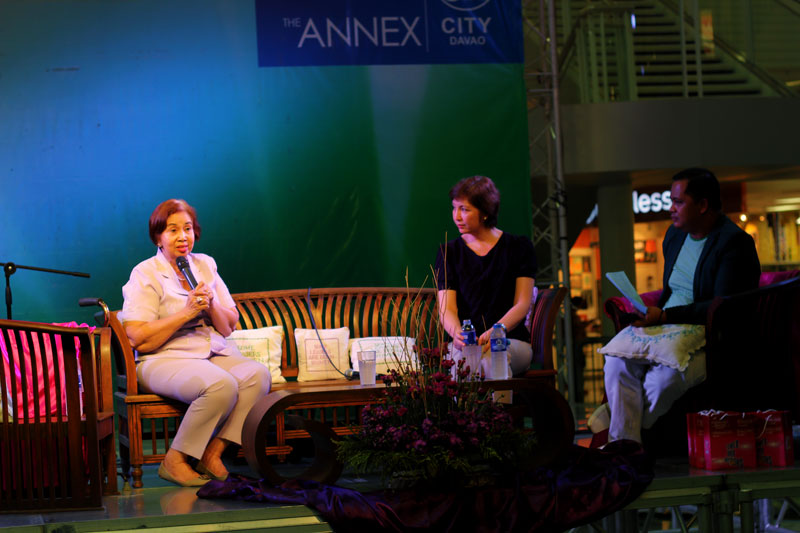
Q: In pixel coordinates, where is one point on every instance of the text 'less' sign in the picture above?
(388, 32)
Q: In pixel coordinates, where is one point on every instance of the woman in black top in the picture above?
(485, 275)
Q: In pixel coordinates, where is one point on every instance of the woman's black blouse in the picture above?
(485, 286)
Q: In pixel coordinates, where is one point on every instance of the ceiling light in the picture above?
(743, 217)
(795, 200)
(781, 208)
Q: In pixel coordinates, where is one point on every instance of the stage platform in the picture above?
(676, 495)
(681, 498)
(165, 508)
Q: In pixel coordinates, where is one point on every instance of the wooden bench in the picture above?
(56, 445)
(366, 311)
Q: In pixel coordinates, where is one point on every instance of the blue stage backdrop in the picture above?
(317, 140)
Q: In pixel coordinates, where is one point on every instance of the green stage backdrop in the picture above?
(315, 175)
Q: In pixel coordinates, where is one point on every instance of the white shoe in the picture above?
(600, 419)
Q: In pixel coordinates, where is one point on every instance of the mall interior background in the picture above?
(644, 93)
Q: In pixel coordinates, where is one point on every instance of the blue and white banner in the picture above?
(388, 32)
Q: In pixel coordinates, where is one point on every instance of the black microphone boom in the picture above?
(183, 266)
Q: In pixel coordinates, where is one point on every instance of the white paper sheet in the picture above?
(624, 285)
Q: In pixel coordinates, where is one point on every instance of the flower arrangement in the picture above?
(435, 423)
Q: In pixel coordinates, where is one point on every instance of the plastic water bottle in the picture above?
(471, 352)
(499, 346)
(468, 332)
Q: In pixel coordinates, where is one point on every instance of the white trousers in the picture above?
(220, 392)
(639, 392)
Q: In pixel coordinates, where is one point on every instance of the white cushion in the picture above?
(264, 345)
(387, 352)
(672, 345)
(312, 365)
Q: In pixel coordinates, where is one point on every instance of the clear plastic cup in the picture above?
(366, 367)
(472, 356)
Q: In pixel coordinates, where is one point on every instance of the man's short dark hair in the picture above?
(702, 184)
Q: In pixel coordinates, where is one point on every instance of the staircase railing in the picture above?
(791, 5)
(679, 8)
(594, 28)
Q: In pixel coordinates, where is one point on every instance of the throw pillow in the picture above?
(387, 352)
(672, 345)
(312, 363)
(264, 345)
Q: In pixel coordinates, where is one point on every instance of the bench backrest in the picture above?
(367, 311)
(753, 347)
(652, 297)
(545, 313)
(124, 360)
(46, 423)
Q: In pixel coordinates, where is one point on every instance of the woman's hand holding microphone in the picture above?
(199, 299)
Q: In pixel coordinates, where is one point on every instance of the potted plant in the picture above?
(436, 426)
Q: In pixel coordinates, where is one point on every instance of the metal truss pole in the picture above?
(550, 216)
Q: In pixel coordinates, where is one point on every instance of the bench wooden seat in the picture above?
(57, 452)
(366, 311)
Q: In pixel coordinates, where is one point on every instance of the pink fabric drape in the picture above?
(46, 388)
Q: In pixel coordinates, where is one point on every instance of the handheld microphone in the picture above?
(183, 266)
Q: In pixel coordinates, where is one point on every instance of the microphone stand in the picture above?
(9, 268)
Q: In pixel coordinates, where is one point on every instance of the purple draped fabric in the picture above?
(584, 486)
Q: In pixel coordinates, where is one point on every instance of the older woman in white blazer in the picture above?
(179, 334)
